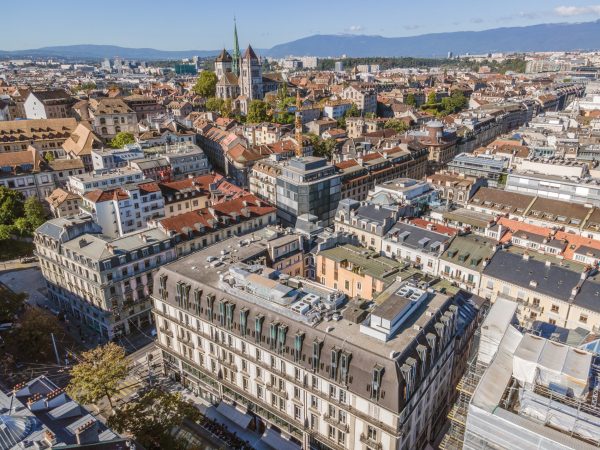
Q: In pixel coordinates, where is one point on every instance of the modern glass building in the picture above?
(308, 185)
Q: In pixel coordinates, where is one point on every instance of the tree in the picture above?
(98, 374)
(206, 84)
(10, 304)
(432, 98)
(454, 103)
(411, 99)
(397, 125)
(32, 335)
(152, 417)
(49, 157)
(6, 232)
(11, 205)
(322, 147)
(213, 104)
(122, 139)
(352, 111)
(34, 213)
(258, 111)
(219, 105)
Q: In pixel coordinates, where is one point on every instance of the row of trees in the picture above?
(513, 64)
(18, 216)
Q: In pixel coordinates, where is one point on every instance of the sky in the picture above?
(208, 25)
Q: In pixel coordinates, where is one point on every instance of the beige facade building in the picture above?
(355, 271)
(254, 343)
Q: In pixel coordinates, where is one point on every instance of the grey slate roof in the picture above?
(417, 237)
(552, 280)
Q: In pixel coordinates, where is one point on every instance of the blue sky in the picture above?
(207, 25)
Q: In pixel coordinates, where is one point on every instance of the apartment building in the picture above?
(114, 158)
(50, 104)
(403, 191)
(187, 195)
(63, 203)
(419, 246)
(464, 260)
(28, 173)
(106, 179)
(203, 227)
(45, 134)
(546, 289)
(361, 174)
(110, 116)
(98, 281)
(125, 209)
(455, 187)
(249, 339)
(369, 222)
(356, 271)
(558, 187)
(263, 180)
(357, 126)
(492, 169)
(364, 99)
(144, 106)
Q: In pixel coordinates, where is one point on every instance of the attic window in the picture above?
(376, 382)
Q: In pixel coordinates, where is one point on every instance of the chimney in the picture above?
(49, 438)
(87, 433)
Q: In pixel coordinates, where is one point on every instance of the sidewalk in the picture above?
(210, 411)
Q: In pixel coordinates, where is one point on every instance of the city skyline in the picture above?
(352, 18)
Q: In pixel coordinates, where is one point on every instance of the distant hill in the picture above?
(89, 51)
(544, 37)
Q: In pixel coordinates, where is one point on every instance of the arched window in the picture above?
(102, 121)
(117, 129)
(104, 130)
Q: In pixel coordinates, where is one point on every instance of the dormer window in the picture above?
(344, 367)
(334, 363)
(258, 321)
(298, 339)
(281, 336)
(376, 382)
(243, 321)
(316, 354)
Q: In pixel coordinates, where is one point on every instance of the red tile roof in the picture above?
(211, 218)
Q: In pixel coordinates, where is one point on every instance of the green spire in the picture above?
(236, 50)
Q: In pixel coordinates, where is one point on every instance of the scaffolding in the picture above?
(453, 440)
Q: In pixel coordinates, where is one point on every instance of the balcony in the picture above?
(230, 365)
(166, 331)
(336, 422)
(370, 442)
(275, 389)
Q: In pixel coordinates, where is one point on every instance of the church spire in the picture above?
(235, 66)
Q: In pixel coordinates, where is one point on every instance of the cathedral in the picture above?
(239, 76)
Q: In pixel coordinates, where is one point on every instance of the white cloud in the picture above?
(355, 28)
(567, 11)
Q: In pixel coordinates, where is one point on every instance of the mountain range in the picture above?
(542, 37)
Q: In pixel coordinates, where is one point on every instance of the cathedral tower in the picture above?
(235, 67)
